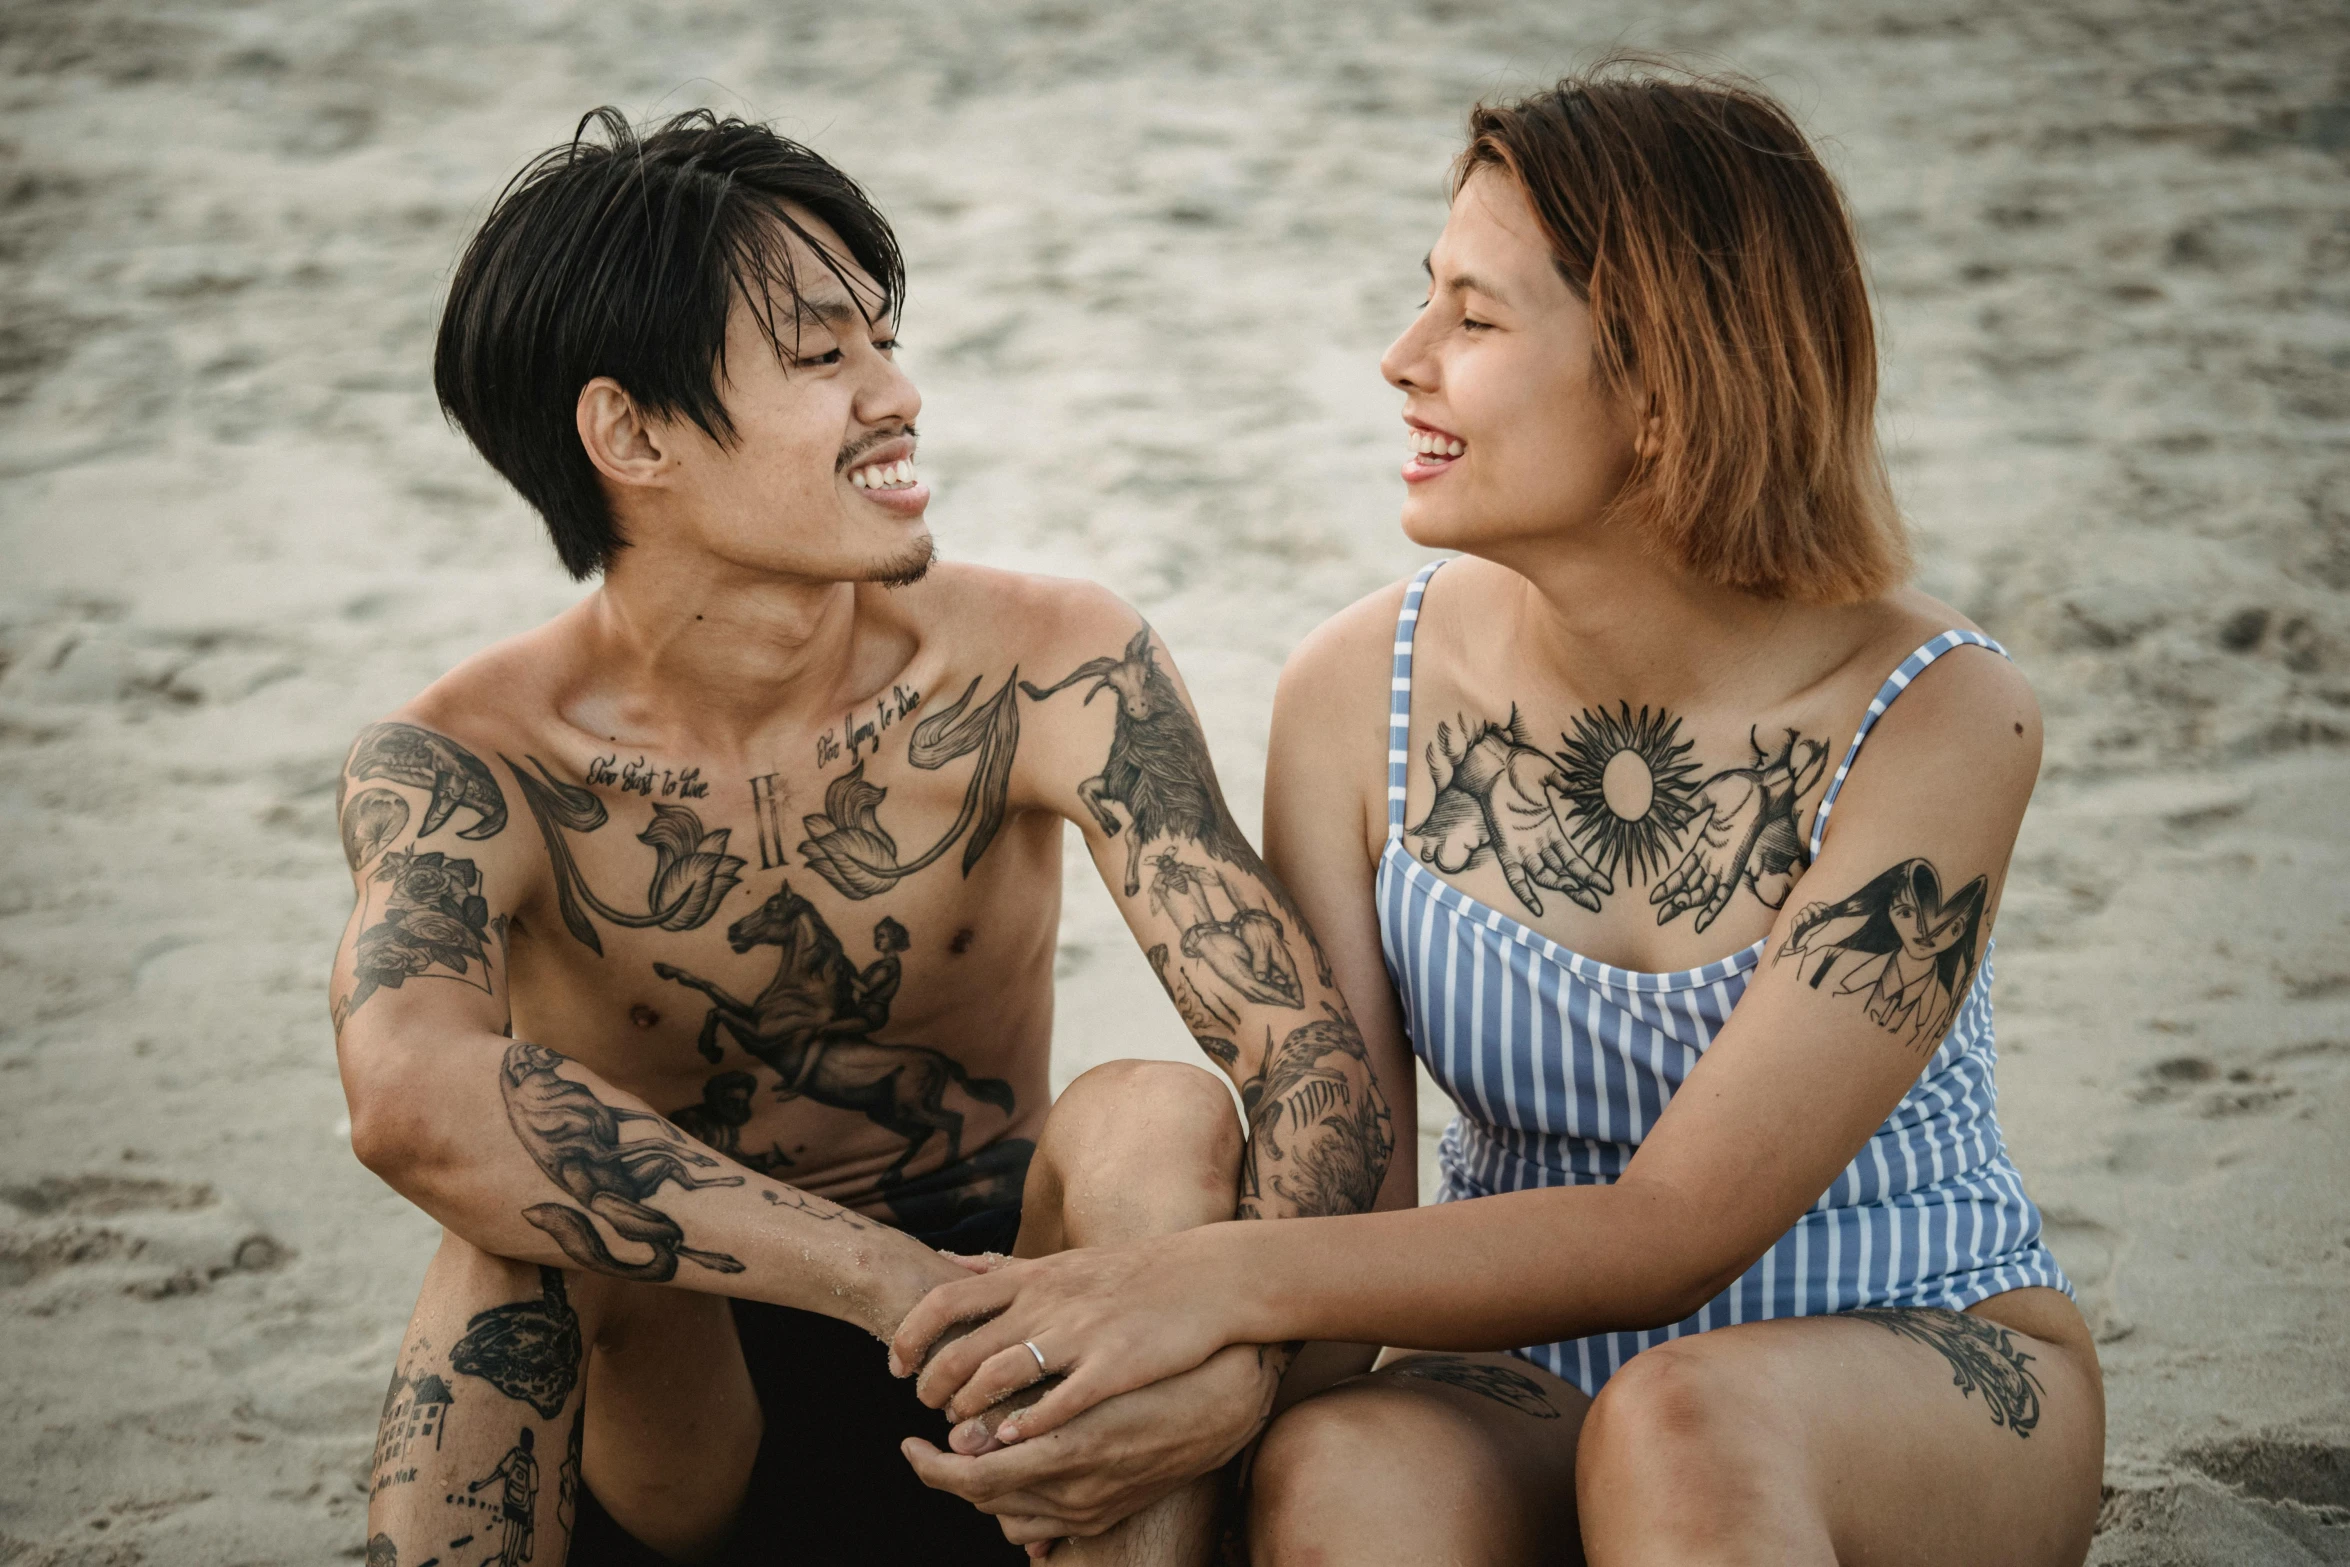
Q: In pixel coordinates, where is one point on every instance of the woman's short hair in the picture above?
(1718, 261)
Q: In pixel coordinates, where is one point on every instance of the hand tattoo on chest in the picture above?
(1621, 797)
(1899, 944)
(692, 872)
(812, 1027)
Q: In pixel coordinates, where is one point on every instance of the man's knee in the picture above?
(1151, 1113)
(1132, 1148)
(1357, 1475)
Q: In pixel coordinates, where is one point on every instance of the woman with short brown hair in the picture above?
(1729, 1261)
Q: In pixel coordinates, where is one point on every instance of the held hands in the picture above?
(1105, 1321)
(1112, 1461)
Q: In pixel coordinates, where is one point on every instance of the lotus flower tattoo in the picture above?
(692, 872)
(848, 846)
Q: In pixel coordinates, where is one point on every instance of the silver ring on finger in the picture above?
(1030, 1346)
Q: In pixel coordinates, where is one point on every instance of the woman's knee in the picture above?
(1680, 1454)
(1362, 1475)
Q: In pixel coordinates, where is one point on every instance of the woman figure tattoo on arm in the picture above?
(1899, 944)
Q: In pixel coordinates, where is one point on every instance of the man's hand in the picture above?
(1118, 1457)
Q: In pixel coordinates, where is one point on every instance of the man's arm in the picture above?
(508, 1143)
(1232, 949)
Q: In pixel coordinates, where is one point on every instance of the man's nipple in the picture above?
(643, 1016)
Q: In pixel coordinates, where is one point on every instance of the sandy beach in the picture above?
(1155, 251)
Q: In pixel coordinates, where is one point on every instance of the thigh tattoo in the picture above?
(1499, 1383)
(1982, 1357)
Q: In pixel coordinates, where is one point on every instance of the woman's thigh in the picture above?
(1867, 1437)
(1432, 1458)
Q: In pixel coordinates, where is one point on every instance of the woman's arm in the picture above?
(1831, 1033)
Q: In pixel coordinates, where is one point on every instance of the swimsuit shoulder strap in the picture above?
(1895, 684)
(1399, 700)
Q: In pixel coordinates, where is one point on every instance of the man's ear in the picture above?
(625, 446)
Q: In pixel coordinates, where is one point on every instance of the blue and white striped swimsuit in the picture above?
(1559, 1065)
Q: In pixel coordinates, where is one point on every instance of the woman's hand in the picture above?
(1106, 1320)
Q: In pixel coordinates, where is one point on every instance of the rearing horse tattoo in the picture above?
(812, 1023)
(575, 1138)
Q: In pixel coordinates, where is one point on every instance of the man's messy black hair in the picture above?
(621, 254)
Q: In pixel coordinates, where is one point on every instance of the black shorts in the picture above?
(829, 1487)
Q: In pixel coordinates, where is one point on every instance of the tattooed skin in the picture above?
(1247, 950)
(518, 1476)
(846, 843)
(1982, 1355)
(1334, 1114)
(371, 821)
(717, 1122)
(1158, 772)
(1900, 945)
(692, 872)
(575, 1138)
(530, 1350)
(1620, 798)
(435, 925)
(1514, 1389)
(453, 776)
(812, 1023)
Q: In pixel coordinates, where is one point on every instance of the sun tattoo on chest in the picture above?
(1620, 801)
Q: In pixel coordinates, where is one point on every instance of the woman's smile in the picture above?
(1433, 452)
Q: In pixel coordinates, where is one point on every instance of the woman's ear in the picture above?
(1648, 442)
(625, 446)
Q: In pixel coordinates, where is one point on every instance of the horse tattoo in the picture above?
(575, 1138)
(718, 1121)
(1497, 794)
(1158, 770)
(453, 776)
(813, 1022)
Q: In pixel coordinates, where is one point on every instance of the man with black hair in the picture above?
(700, 980)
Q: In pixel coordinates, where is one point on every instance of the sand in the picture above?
(1155, 250)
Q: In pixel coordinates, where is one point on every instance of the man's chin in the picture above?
(908, 567)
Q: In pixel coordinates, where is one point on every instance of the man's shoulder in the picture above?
(486, 702)
(1025, 617)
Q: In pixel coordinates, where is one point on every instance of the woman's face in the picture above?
(1512, 438)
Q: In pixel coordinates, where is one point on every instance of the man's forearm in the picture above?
(528, 1155)
(1319, 1129)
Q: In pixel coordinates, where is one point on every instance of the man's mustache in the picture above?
(849, 454)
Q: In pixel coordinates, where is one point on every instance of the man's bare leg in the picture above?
(1135, 1149)
(487, 1427)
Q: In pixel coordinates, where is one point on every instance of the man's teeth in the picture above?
(1428, 444)
(897, 475)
